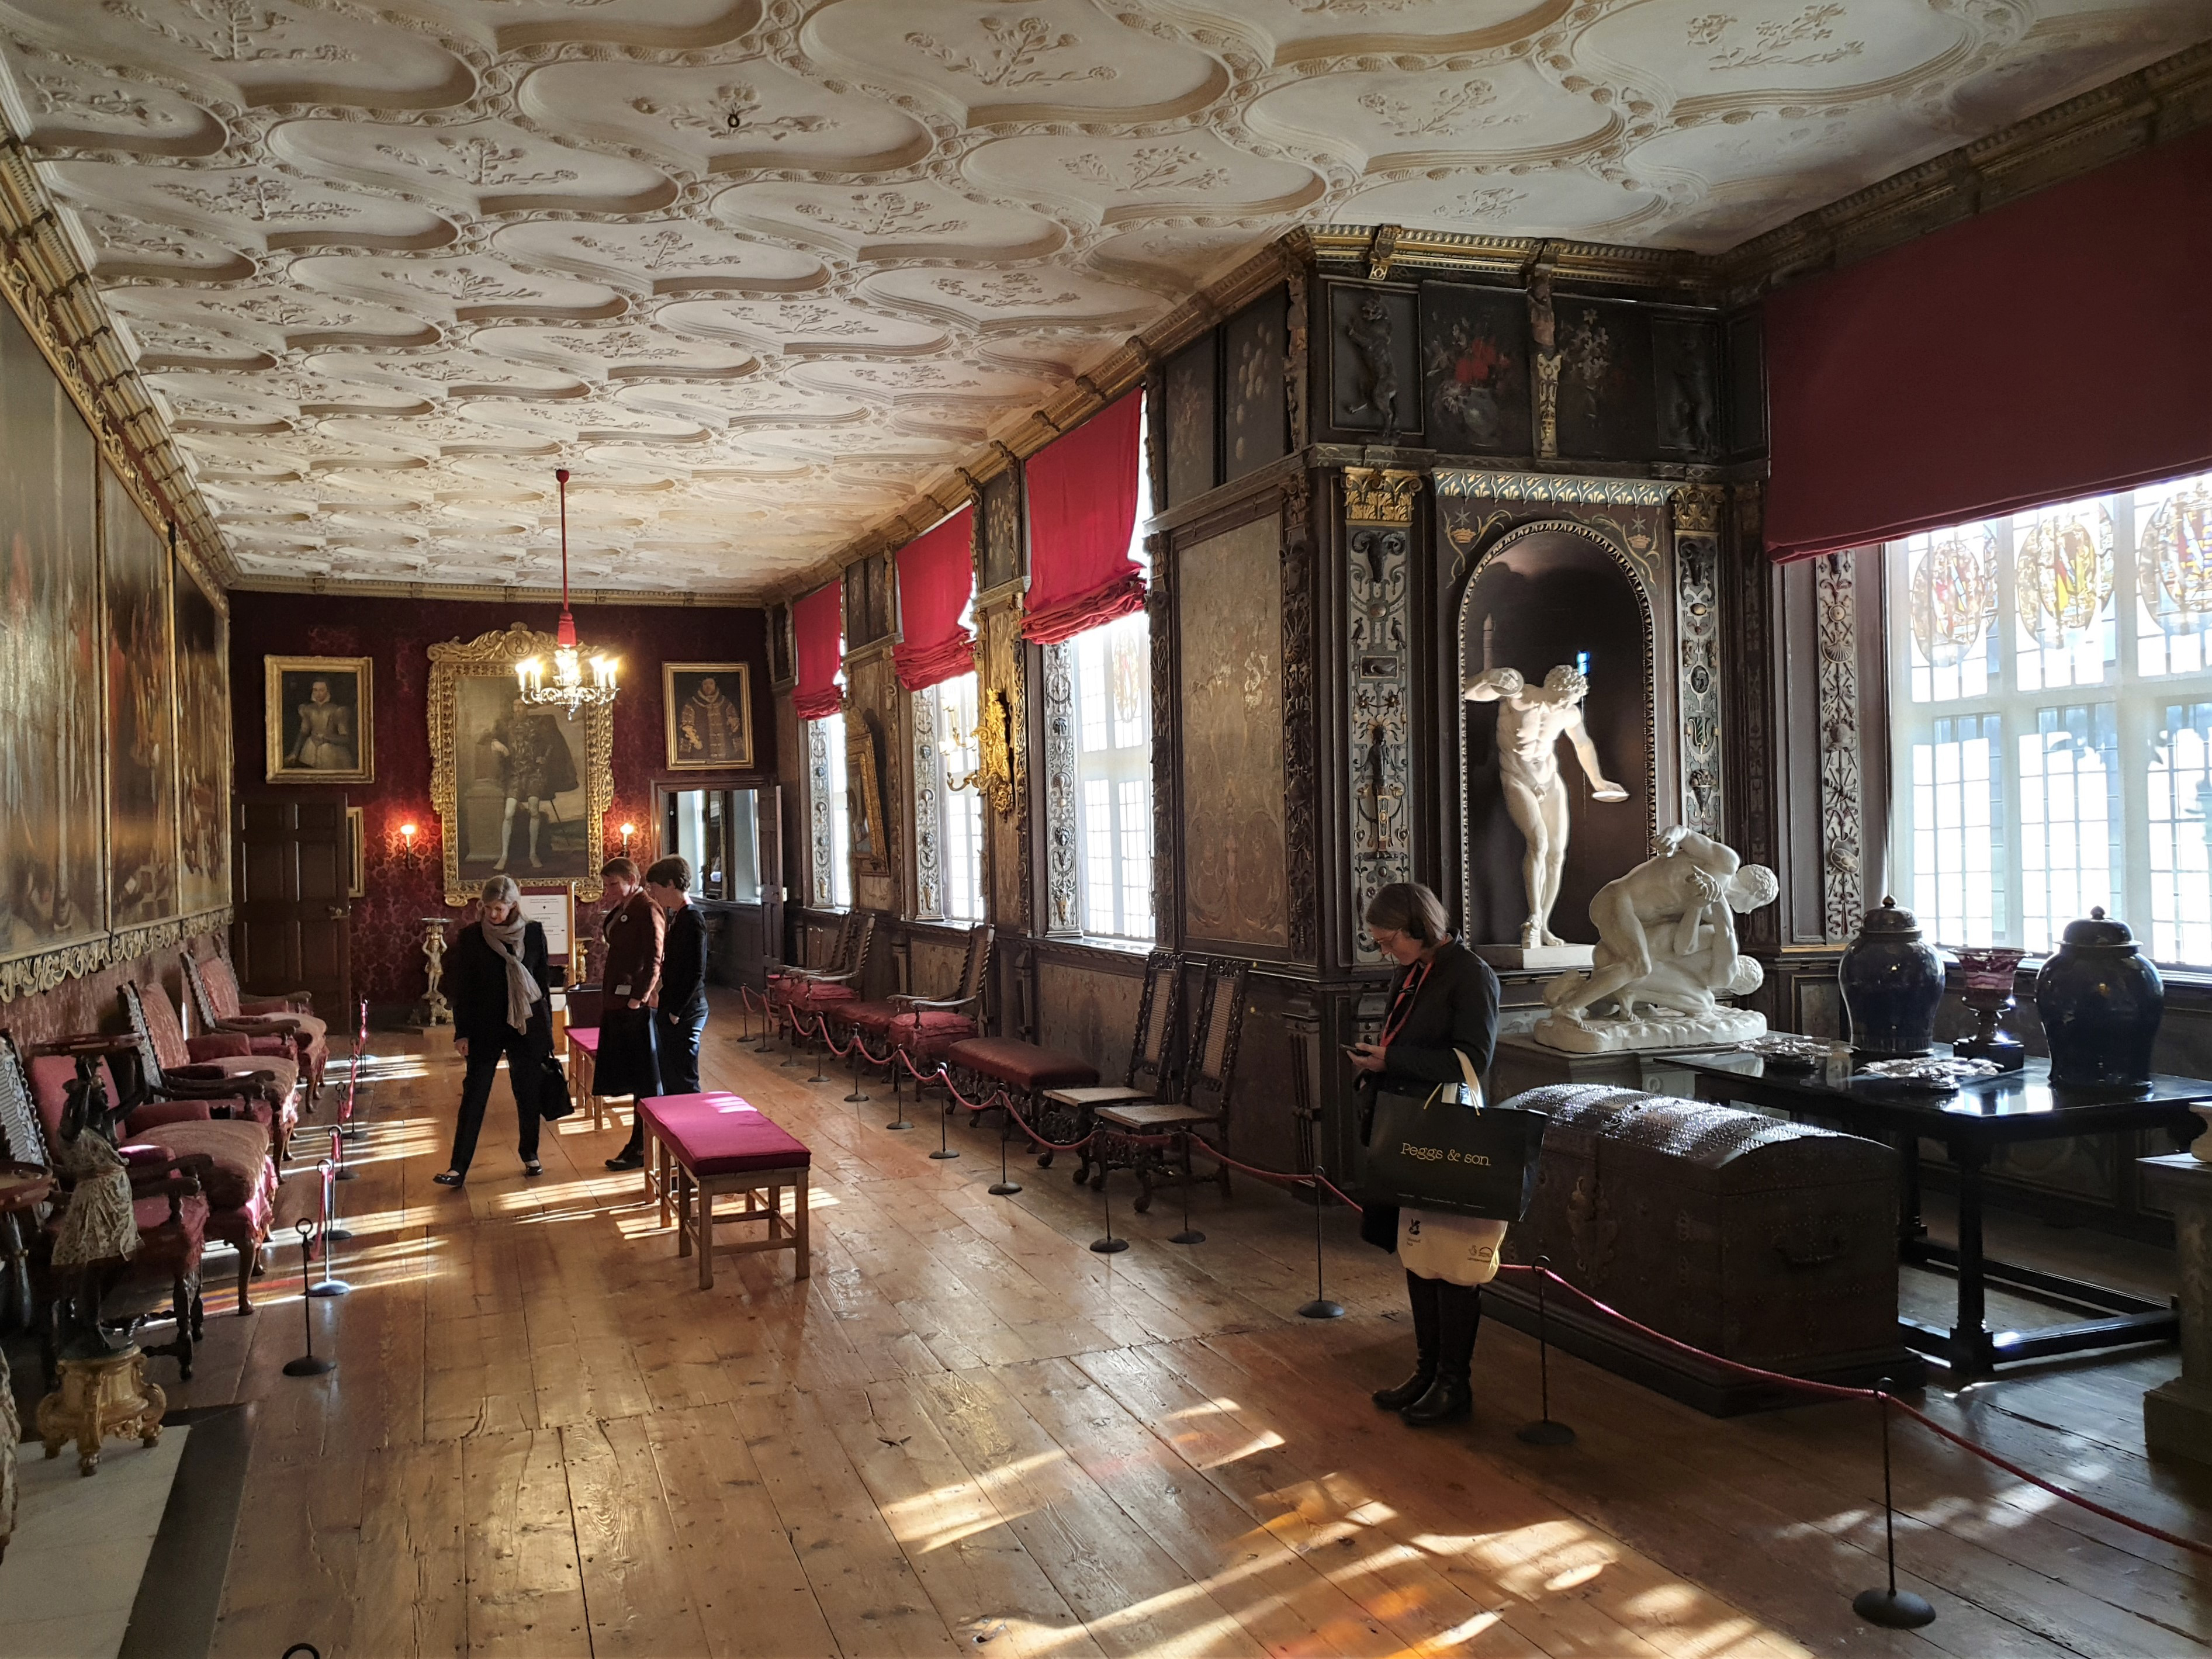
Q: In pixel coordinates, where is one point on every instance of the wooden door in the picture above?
(294, 926)
(767, 836)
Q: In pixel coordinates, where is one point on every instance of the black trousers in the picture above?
(1445, 1318)
(677, 1037)
(526, 1056)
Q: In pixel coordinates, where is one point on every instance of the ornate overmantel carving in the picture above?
(1843, 830)
(1381, 496)
(1696, 516)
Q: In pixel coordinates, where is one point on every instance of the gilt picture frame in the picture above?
(708, 710)
(519, 790)
(318, 719)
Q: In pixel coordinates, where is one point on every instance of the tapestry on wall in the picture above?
(204, 754)
(1231, 634)
(51, 855)
(142, 714)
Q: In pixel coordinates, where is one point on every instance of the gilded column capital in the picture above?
(1376, 494)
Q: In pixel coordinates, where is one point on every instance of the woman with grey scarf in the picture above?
(496, 981)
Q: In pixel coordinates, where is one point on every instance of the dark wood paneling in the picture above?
(1255, 423)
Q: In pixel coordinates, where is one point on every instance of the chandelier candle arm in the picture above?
(569, 689)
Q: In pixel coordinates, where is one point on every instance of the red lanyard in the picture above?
(1401, 1005)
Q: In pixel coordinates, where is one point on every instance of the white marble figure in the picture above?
(1666, 955)
(1529, 726)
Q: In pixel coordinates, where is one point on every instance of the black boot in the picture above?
(1449, 1399)
(1459, 1314)
(1397, 1398)
(1422, 1294)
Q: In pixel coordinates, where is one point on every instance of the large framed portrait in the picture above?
(142, 714)
(319, 722)
(710, 716)
(519, 790)
(203, 757)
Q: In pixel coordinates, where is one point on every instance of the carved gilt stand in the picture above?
(100, 1397)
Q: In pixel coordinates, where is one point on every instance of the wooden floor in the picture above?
(968, 1432)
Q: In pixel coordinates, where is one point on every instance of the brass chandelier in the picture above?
(571, 687)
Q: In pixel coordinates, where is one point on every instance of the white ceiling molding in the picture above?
(759, 271)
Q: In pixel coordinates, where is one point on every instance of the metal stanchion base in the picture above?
(1892, 1610)
(308, 1365)
(900, 1124)
(945, 1151)
(1187, 1236)
(330, 1287)
(859, 1094)
(1546, 1434)
(1109, 1245)
(345, 1175)
(1003, 1188)
(1322, 1308)
(338, 1235)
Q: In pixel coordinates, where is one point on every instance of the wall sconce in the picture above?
(628, 831)
(407, 847)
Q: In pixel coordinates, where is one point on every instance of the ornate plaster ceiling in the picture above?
(756, 268)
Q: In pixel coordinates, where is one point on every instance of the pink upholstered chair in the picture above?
(290, 1018)
(217, 1067)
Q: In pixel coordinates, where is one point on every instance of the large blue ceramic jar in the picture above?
(1893, 985)
(2101, 1001)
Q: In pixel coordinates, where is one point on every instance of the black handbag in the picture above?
(554, 1102)
(1450, 1152)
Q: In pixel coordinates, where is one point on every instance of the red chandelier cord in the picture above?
(567, 634)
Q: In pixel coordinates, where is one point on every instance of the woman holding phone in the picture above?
(1439, 1028)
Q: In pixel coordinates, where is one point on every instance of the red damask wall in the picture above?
(387, 959)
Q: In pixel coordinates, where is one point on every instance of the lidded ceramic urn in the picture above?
(1892, 985)
(2101, 1001)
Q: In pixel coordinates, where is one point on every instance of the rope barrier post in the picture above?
(898, 1085)
(1544, 1431)
(307, 1364)
(820, 1074)
(339, 1171)
(1320, 1307)
(791, 1043)
(1891, 1608)
(329, 1287)
(1109, 1245)
(334, 1170)
(352, 1130)
(1190, 1235)
(859, 1094)
(768, 1023)
(1005, 1186)
(944, 1143)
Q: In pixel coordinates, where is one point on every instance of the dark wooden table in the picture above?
(1972, 1124)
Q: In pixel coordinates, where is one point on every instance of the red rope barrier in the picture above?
(1825, 1391)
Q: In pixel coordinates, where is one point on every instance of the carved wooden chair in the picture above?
(826, 992)
(924, 1028)
(1199, 1113)
(218, 1067)
(1068, 1113)
(167, 1206)
(289, 1019)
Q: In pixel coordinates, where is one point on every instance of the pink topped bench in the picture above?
(708, 1146)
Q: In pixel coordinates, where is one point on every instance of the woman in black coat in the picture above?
(496, 981)
(1443, 1005)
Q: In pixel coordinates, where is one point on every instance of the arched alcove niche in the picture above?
(1551, 592)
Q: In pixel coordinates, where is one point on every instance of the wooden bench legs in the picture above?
(696, 1217)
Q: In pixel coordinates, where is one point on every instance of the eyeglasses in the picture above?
(1386, 937)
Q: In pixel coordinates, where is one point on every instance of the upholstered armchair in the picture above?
(290, 1018)
(168, 1204)
(218, 1067)
(230, 1150)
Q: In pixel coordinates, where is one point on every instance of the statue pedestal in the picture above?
(2178, 1415)
(106, 1395)
(1652, 1034)
(1519, 1064)
(1543, 958)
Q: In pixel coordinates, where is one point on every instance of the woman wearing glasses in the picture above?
(1441, 1020)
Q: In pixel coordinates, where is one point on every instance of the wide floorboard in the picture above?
(967, 1432)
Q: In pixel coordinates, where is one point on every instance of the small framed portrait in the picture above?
(317, 715)
(710, 721)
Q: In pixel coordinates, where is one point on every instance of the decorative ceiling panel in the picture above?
(758, 270)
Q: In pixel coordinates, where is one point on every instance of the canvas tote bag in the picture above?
(1454, 1156)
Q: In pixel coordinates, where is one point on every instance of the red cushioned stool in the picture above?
(713, 1145)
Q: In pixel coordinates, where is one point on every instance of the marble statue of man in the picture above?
(1530, 723)
(1666, 954)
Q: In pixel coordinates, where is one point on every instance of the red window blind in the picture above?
(2058, 346)
(1083, 508)
(936, 575)
(818, 632)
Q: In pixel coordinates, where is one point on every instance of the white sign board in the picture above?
(551, 912)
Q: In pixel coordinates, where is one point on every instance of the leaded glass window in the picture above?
(2051, 718)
